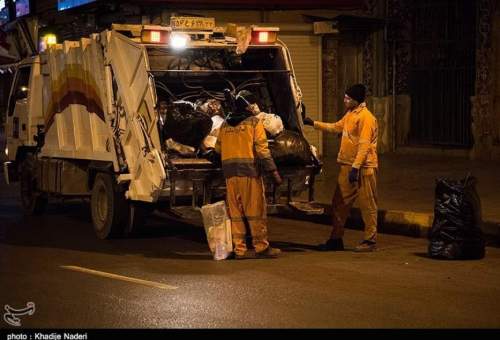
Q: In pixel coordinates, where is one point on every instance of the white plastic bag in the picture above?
(272, 123)
(211, 139)
(218, 229)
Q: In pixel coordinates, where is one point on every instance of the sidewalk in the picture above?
(406, 186)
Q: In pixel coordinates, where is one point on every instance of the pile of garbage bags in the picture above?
(190, 128)
(185, 124)
(456, 229)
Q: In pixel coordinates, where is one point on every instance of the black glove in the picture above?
(353, 175)
(308, 121)
(212, 156)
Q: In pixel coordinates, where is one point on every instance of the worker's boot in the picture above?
(269, 253)
(332, 245)
(366, 247)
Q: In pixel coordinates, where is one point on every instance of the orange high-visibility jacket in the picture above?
(358, 146)
(244, 149)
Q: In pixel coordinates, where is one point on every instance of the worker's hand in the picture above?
(353, 175)
(211, 156)
(276, 177)
(308, 121)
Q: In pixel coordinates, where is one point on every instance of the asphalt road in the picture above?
(56, 262)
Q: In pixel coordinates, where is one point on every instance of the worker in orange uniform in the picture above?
(242, 144)
(358, 169)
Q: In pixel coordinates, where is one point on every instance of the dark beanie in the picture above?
(357, 92)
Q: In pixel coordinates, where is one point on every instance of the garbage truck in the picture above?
(83, 118)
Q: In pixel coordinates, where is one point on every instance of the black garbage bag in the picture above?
(456, 230)
(290, 148)
(186, 125)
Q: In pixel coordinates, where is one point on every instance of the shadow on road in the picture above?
(68, 226)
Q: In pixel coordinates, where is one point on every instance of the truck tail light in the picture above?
(264, 35)
(155, 36)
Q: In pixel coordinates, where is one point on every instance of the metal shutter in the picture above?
(305, 51)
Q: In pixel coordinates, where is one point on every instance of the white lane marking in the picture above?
(120, 277)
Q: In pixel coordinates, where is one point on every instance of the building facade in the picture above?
(431, 67)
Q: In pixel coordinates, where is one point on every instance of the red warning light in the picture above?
(155, 36)
(263, 37)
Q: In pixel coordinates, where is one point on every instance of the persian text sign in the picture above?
(192, 23)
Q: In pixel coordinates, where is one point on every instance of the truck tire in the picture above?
(33, 201)
(108, 207)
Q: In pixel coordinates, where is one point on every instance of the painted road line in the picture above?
(120, 277)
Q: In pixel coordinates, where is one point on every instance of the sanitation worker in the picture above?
(245, 156)
(358, 169)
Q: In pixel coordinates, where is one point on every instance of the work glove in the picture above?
(308, 121)
(353, 175)
(211, 156)
(276, 177)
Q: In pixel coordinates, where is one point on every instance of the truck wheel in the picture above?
(108, 207)
(33, 201)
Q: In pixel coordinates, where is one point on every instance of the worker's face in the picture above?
(349, 102)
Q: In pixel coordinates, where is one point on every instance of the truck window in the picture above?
(21, 87)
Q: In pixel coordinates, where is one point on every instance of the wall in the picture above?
(484, 112)
(496, 82)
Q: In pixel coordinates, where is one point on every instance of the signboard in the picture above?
(67, 4)
(192, 23)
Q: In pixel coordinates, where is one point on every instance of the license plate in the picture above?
(192, 23)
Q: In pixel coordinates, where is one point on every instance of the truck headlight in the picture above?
(179, 41)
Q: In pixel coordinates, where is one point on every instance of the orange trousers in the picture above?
(365, 190)
(246, 200)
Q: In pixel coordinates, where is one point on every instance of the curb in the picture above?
(397, 222)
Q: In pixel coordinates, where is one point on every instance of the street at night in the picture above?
(396, 286)
(186, 165)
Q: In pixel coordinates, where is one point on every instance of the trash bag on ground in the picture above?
(290, 149)
(186, 125)
(456, 230)
(218, 229)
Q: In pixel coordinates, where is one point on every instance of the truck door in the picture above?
(136, 96)
(17, 126)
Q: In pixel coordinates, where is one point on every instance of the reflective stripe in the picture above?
(257, 218)
(232, 169)
(238, 160)
(248, 218)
